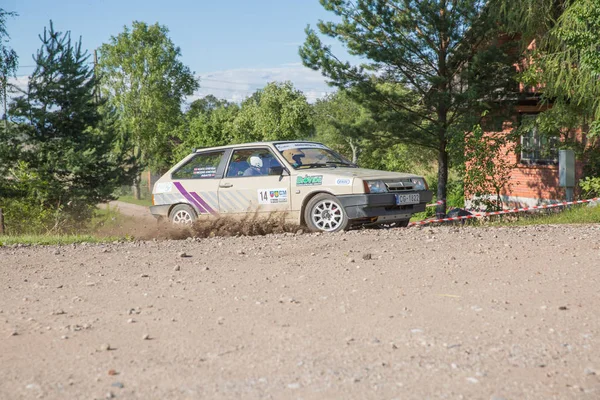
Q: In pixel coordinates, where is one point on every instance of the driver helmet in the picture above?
(256, 162)
(294, 156)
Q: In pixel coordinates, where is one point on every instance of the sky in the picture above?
(234, 46)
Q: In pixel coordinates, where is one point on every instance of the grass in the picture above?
(577, 214)
(103, 221)
(146, 202)
(580, 214)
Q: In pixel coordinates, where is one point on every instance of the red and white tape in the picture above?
(437, 203)
(514, 210)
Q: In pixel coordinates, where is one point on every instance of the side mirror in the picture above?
(277, 170)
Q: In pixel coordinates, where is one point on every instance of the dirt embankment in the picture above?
(438, 312)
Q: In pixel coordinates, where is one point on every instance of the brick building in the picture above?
(534, 179)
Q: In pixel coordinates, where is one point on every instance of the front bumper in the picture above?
(382, 206)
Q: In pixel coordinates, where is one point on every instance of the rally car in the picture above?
(308, 182)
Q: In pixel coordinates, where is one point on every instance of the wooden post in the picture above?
(1, 222)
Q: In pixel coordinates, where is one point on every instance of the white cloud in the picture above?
(20, 82)
(237, 84)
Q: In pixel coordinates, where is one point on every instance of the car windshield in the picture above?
(311, 155)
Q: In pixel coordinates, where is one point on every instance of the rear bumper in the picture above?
(160, 211)
(383, 206)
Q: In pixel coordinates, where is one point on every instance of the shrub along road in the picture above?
(438, 312)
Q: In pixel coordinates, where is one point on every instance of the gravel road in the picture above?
(431, 313)
(132, 210)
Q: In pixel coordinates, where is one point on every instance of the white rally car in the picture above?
(308, 182)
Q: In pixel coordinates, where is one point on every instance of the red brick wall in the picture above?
(536, 182)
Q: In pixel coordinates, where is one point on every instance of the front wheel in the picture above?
(325, 213)
(182, 214)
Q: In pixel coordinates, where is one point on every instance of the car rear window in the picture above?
(201, 166)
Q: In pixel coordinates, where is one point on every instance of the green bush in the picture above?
(24, 217)
(590, 186)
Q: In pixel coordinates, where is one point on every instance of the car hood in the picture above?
(362, 173)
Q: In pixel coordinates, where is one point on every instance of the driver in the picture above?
(294, 156)
(255, 167)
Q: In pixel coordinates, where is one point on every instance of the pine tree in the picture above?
(427, 69)
(68, 142)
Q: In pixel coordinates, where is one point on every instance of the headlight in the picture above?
(419, 184)
(375, 187)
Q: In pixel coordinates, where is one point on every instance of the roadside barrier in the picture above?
(511, 211)
(436, 203)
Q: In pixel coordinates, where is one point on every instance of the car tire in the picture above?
(325, 213)
(182, 214)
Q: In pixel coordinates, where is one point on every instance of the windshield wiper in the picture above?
(345, 164)
(313, 165)
(327, 164)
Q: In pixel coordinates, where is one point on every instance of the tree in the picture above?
(208, 122)
(276, 112)
(206, 105)
(8, 63)
(565, 65)
(488, 170)
(343, 123)
(431, 67)
(565, 58)
(67, 145)
(8, 67)
(146, 83)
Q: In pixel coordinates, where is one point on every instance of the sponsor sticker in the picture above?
(272, 196)
(204, 172)
(163, 187)
(309, 180)
(343, 181)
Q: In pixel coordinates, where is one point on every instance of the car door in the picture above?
(197, 181)
(254, 181)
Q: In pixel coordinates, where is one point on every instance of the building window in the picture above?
(537, 148)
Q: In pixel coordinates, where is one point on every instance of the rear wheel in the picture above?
(325, 213)
(182, 214)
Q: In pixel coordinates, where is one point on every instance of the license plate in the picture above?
(412, 198)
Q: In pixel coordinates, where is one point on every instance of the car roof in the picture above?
(230, 146)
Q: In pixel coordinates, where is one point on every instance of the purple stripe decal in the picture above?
(188, 197)
(204, 203)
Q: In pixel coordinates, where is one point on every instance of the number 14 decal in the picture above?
(272, 196)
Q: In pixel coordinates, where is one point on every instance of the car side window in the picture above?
(201, 166)
(252, 162)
